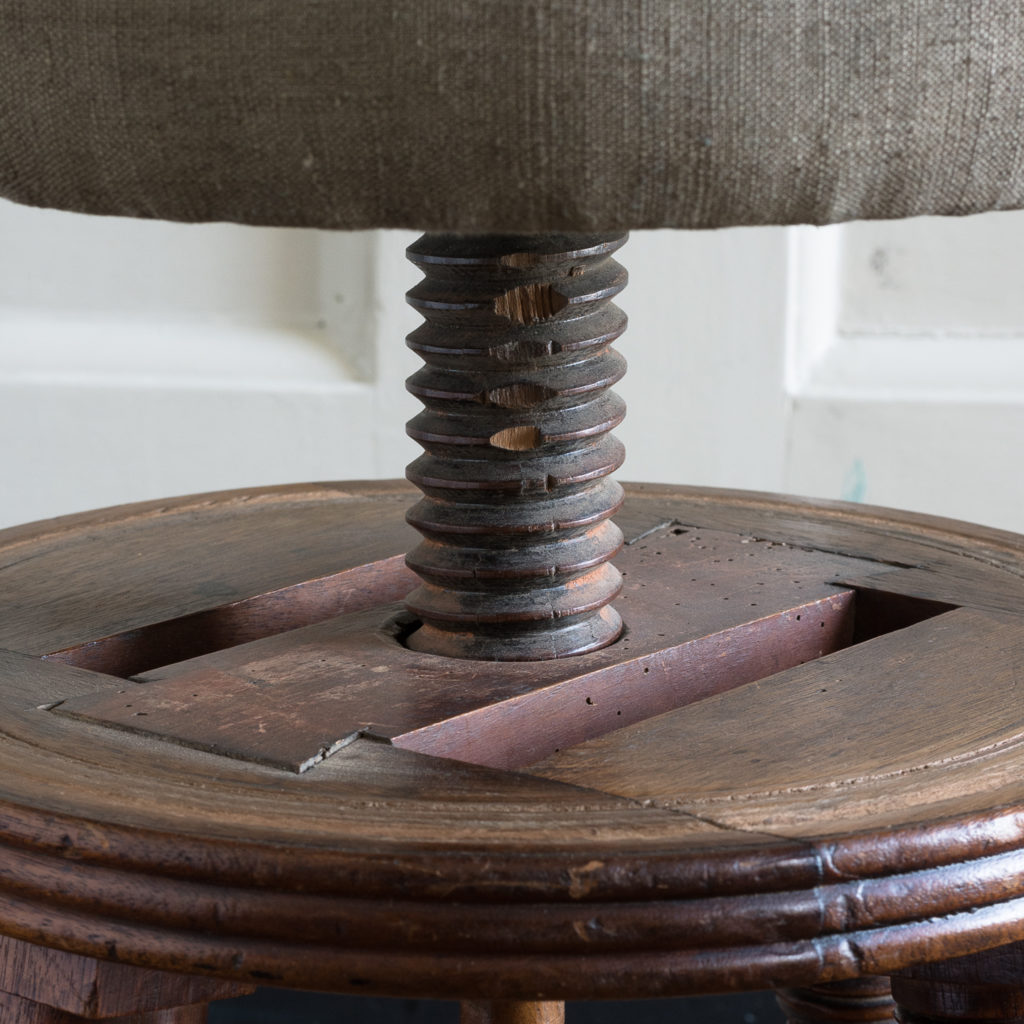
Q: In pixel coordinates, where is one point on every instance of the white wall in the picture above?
(879, 362)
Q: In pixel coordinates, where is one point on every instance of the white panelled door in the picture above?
(142, 359)
(875, 362)
(906, 366)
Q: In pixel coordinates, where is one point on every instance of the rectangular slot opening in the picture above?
(706, 612)
(530, 727)
(135, 651)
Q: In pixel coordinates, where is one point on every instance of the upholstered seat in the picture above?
(482, 115)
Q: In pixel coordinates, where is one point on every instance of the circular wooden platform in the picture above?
(803, 761)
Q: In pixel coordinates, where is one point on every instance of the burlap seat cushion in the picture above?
(519, 115)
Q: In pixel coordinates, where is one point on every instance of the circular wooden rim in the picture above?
(207, 866)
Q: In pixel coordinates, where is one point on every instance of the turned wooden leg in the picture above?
(509, 1011)
(858, 1000)
(984, 987)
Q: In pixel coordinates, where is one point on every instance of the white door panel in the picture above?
(142, 359)
(952, 459)
(906, 365)
(876, 362)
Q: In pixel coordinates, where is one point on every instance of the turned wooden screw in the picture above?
(516, 430)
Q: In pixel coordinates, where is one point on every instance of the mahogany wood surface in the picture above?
(987, 986)
(777, 824)
(290, 699)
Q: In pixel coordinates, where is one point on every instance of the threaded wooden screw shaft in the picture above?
(518, 449)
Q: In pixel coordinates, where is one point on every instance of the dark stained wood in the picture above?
(805, 838)
(14, 1010)
(841, 1002)
(512, 1012)
(84, 987)
(983, 564)
(517, 446)
(987, 986)
(348, 799)
(637, 522)
(301, 604)
(876, 730)
(292, 700)
(77, 580)
(228, 625)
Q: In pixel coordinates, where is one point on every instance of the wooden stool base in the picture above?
(801, 762)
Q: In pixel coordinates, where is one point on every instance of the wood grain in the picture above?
(138, 650)
(84, 987)
(849, 763)
(14, 1010)
(76, 581)
(793, 838)
(987, 986)
(980, 559)
(303, 603)
(294, 699)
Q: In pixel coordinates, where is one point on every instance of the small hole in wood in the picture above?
(530, 303)
(518, 259)
(402, 626)
(520, 396)
(517, 439)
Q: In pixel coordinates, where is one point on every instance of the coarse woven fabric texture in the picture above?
(513, 115)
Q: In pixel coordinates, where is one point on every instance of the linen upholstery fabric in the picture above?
(516, 115)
